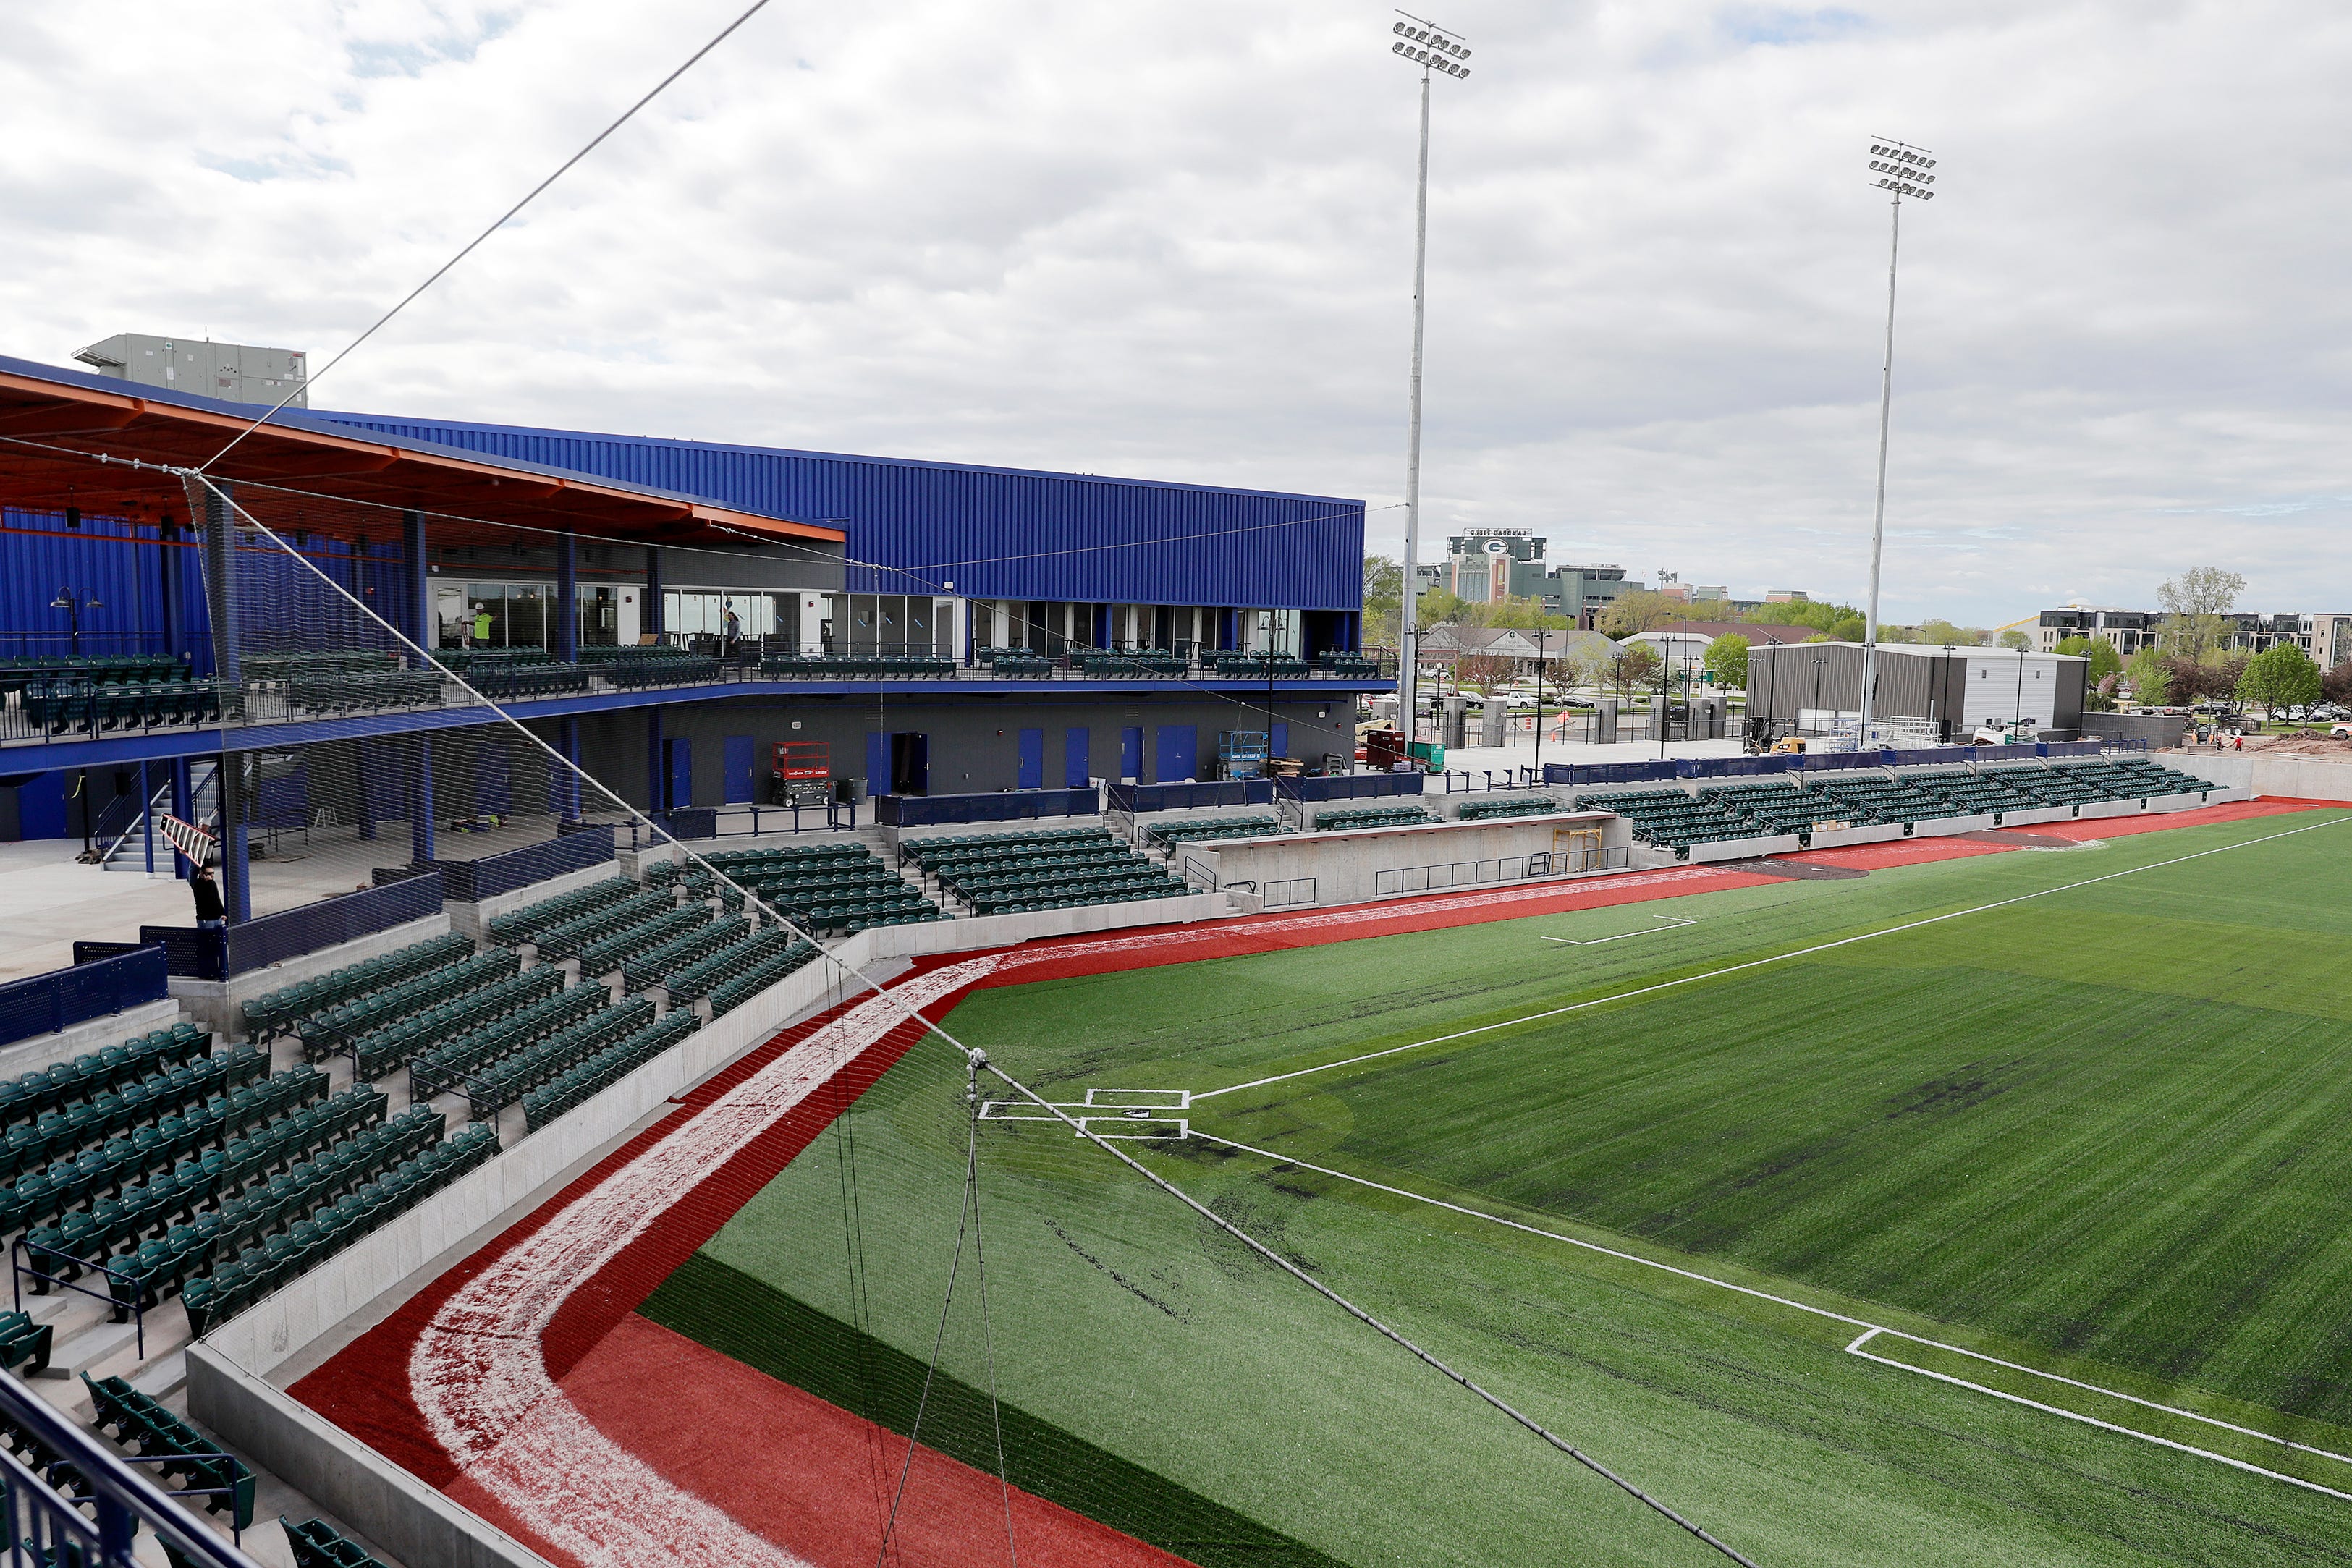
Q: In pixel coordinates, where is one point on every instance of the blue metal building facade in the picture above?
(995, 533)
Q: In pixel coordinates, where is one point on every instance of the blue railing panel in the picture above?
(1607, 772)
(1014, 806)
(1133, 798)
(43, 1004)
(1351, 785)
(289, 934)
(463, 881)
(49, 1529)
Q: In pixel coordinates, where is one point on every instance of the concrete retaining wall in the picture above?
(2097, 811)
(219, 1005)
(475, 917)
(2033, 814)
(1744, 849)
(23, 1056)
(376, 1496)
(1346, 867)
(2290, 775)
(1830, 838)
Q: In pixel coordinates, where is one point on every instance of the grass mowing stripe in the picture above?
(1870, 1331)
(1759, 962)
(717, 1305)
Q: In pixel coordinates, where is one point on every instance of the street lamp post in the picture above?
(1418, 41)
(1902, 171)
(73, 603)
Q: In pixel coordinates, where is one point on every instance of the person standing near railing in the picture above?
(212, 915)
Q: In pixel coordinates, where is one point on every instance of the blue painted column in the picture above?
(147, 816)
(236, 864)
(183, 808)
(220, 583)
(420, 802)
(656, 765)
(567, 599)
(414, 601)
(650, 620)
(366, 790)
(567, 779)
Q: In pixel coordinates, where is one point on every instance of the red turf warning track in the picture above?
(725, 1432)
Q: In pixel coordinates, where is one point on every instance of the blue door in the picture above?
(1281, 739)
(1077, 771)
(679, 777)
(877, 764)
(739, 770)
(1176, 752)
(1130, 754)
(1033, 759)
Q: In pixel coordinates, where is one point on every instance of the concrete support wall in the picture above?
(1346, 867)
(2290, 776)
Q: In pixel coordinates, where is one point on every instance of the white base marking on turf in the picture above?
(1856, 1349)
(1673, 923)
(1870, 1330)
(1761, 963)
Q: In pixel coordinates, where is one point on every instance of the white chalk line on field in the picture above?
(1673, 923)
(1870, 1331)
(1761, 963)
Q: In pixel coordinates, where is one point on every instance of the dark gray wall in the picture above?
(974, 742)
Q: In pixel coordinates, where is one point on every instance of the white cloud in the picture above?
(1176, 242)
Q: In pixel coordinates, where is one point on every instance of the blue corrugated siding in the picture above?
(995, 533)
(115, 562)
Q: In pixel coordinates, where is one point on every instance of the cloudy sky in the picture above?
(1176, 242)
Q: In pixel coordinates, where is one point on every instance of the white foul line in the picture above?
(1774, 958)
(1870, 1331)
(1673, 923)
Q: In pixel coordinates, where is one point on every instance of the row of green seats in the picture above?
(1360, 817)
(923, 852)
(636, 674)
(198, 1134)
(317, 1544)
(524, 684)
(189, 1459)
(563, 940)
(16, 673)
(56, 708)
(500, 1084)
(1510, 806)
(232, 1287)
(1031, 905)
(94, 1073)
(347, 1021)
(704, 974)
(391, 1048)
(111, 1110)
(314, 661)
(614, 952)
(276, 1203)
(363, 692)
(524, 925)
(578, 1084)
(447, 1066)
(276, 1011)
(642, 972)
(725, 999)
(851, 666)
(1206, 829)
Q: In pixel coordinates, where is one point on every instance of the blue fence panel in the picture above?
(1730, 766)
(1190, 797)
(43, 1004)
(1351, 786)
(289, 934)
(1016, 806)
(189, 951)
(463, 881)
(1608, 772)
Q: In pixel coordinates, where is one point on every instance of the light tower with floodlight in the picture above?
(1437, 50)
(1903, 169)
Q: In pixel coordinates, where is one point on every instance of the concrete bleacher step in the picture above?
(163, 1375)
(99, 1343)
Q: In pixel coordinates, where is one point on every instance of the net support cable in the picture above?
(198, 482)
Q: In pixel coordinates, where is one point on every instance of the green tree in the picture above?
(2336, 684)
(1635, 667)
(2105, 660)
(1438, 606)
(2016, 639)
(1727, 660)
(1887, 633)
(1383, 600)
(2281, 676)
(2196, 605)
(1846, 629)
(1638, 609)
(1945, 632)
(2151, 673)
(1518, 612)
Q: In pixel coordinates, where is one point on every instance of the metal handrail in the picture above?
(44, 1525)
(136, 1305)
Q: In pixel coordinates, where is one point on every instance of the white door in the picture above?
(625, 620)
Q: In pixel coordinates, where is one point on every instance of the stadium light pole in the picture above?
(1418, 41)
(1901, 169)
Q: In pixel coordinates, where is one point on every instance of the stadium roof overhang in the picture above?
(56, 425)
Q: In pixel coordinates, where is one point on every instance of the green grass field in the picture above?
(2105, 1132)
